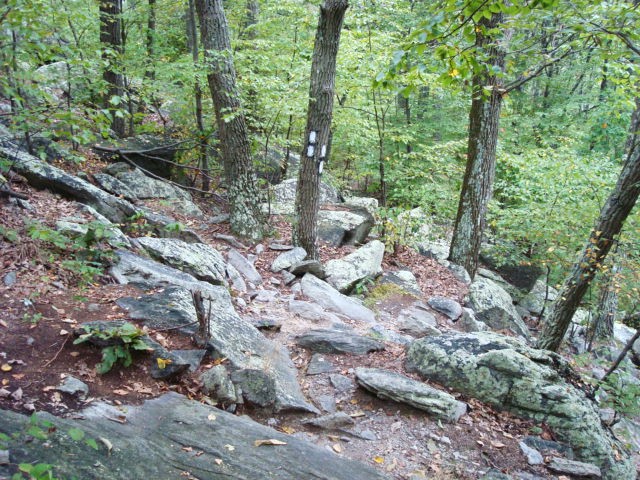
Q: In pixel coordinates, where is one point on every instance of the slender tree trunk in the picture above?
(244, 210)
(150, 71)
(607, 306)
(612, 217)
(484, 119)
(111, 38)
(316, 141)
(203, 140)
(251, 19)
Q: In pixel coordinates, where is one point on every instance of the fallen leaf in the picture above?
(6, 367)
(231, 448)
(378, 460)
(163, 362)
(218, 461)
(64, 332)
(270, 441)
(4, 324)
(107, 444)
(69, 320)
(337, 448)
(358, 413)
(18, 376)
(211, 417)
(74, 354)
(392, 466)
(479, 442)
(496, 444)
(5, 381)
(120, 392)
(198, 453)
(288, 430)
(187, 449)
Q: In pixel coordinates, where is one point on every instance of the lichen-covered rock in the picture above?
(365, 262)
(446, 306)
(338, 341)
(540, 294)
(396, 387)
(199, 259)
(417, 322)
(344, 227)
(217, 385)
(328, 297)
(114, 186)
(494, 306)
(289, 258)
(505, 373)
(149, 446)
(405, 279)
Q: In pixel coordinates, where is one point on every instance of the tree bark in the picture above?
(203, 140)
(150, 70)
(607, 306)
(484, 120)
(244, 211)
(612, 217)
(111, 39)
(316, 142)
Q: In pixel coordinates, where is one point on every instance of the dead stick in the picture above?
(57, 353)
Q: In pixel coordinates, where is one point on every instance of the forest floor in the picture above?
(40, 310)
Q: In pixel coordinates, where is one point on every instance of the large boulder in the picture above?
(344, 227)
(533, 384)
(198, 259)
(338, 341)
(285, 193)
(393, 386)
(230, 336)
(540, 294)
(494, 306)
(170, 437)
(365, 262)
(328, 297)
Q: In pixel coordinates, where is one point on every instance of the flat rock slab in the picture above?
(339, 227)
(318, 364)
(503, 372)
(198, 259)
(338, 341)
(170, 435)
(396, 387)
(244, 266)
(288, 258)
(331, 422)
(230, 336)
(573, 468)
(328, 297)
(446, 306)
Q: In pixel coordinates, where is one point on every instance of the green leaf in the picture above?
(76, 434)
(92, 443)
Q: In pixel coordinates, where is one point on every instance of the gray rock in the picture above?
(10, 278)
(341, 227)
(495, 474)
(327, 403)
(230, 336)
(534, 301)
(288, 258)
(380, 332)
(165, 364)
(469, 323)
(237, 282)
(438, 250)
(73, 386)
(265, 296)
(192, 357)
(367, 203)
(257, 387)
(505, 373)
(331, 422)
(148, 445)
(515, 292)
(116, 239)
(287, 278)
(314, 267)
(285, 192)
(4, 457)
(341, 383)
(624, 334)
(392, 386)
(573, 468)
(198, 259)
(404, 279)
(244, 266)
(280, 247)
(270, 324)
(318, 364)
(311, 311)
(365, 262)
(114, 186)
(328, 297)
(217, 384)
(534, 457)
(494, 306)
(549, 447)
(446, 306)
(459, 272)
(171, 307)
(417, 322)
(335, 341)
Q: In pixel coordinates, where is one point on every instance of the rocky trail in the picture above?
(259, 364)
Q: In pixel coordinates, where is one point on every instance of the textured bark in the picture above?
(484, 120)
(612, 217)
(607, 306)
(319, 114)
(203, 140)
(111, 38)
(244, 211)
(150, 71)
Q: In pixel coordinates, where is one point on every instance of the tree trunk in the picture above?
(150, 71)
(203, 141)
(612, 217)
(607, 306)
(316, 140)
(251, 20)
(111, 39)
(244, 210)
(484, 119)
